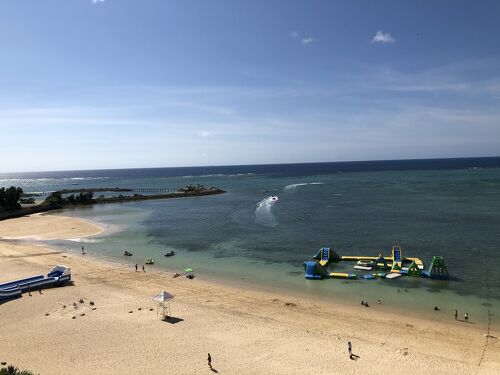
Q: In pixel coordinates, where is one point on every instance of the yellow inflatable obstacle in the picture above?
(343, 275)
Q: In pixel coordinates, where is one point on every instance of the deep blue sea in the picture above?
(447, 207)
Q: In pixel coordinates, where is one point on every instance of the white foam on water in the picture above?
(84, 240)
(294, 186)
(264, 214)
(219, 175)
(87, 178)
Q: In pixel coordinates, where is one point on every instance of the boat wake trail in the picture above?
(263, 212)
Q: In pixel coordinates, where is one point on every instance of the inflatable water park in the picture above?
(57, 276)
(389, 267)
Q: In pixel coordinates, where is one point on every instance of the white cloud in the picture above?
(204, 133)
(97, 1)
(303, 40)
(381, 37)
(307, 41)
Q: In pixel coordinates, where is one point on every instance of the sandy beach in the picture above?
(246, 331)
(47, 227)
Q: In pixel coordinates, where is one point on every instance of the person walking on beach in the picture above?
(143, 269)
(466, 317)
(349, 348)
(136, 267)
(456, 314)
(83, 250)
(209, 360)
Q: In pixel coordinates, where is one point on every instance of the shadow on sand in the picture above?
(172, 319)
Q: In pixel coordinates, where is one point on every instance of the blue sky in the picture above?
(88, 84)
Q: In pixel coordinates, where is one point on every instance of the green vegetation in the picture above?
(9, 198)
(81, 198)
(57, 198)
(12, 370)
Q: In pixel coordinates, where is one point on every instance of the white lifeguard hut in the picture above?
(163, 298)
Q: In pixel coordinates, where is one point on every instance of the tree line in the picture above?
(57, 198)
(9, 197)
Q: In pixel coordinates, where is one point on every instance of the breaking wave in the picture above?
(84, 240)
(294, 186)
(219, 175)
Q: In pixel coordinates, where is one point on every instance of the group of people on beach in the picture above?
(143, 268)
(466, 316)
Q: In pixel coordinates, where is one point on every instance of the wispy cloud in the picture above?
(307, 41)
(304, 40)
(97, 1)
(203, 133)
(384, 38)
(462, 79)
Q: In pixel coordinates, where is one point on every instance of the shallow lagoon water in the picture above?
(228, 237)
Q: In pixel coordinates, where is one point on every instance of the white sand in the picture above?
(247, 332)
(47, 227)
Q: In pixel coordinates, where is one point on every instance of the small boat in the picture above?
(170, 253)
(127, 253)
(368, 277)
(150, 261)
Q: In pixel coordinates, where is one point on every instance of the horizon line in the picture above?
(254, 165)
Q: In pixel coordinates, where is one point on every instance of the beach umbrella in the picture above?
(188, 270)
(162, 298)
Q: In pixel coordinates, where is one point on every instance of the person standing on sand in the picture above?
(83, 250)
(466, 317)
(143, 269)
(136, 267)
(456, 314)
(349, 348)
(209, 360)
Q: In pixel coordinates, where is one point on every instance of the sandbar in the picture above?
(47, 227)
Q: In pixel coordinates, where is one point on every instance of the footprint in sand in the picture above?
(403, 351)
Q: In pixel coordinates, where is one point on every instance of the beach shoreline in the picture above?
(278, 333)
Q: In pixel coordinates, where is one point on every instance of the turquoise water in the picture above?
(247, 238)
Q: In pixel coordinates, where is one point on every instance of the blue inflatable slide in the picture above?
(56, 277)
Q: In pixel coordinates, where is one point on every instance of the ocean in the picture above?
(274, 217)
